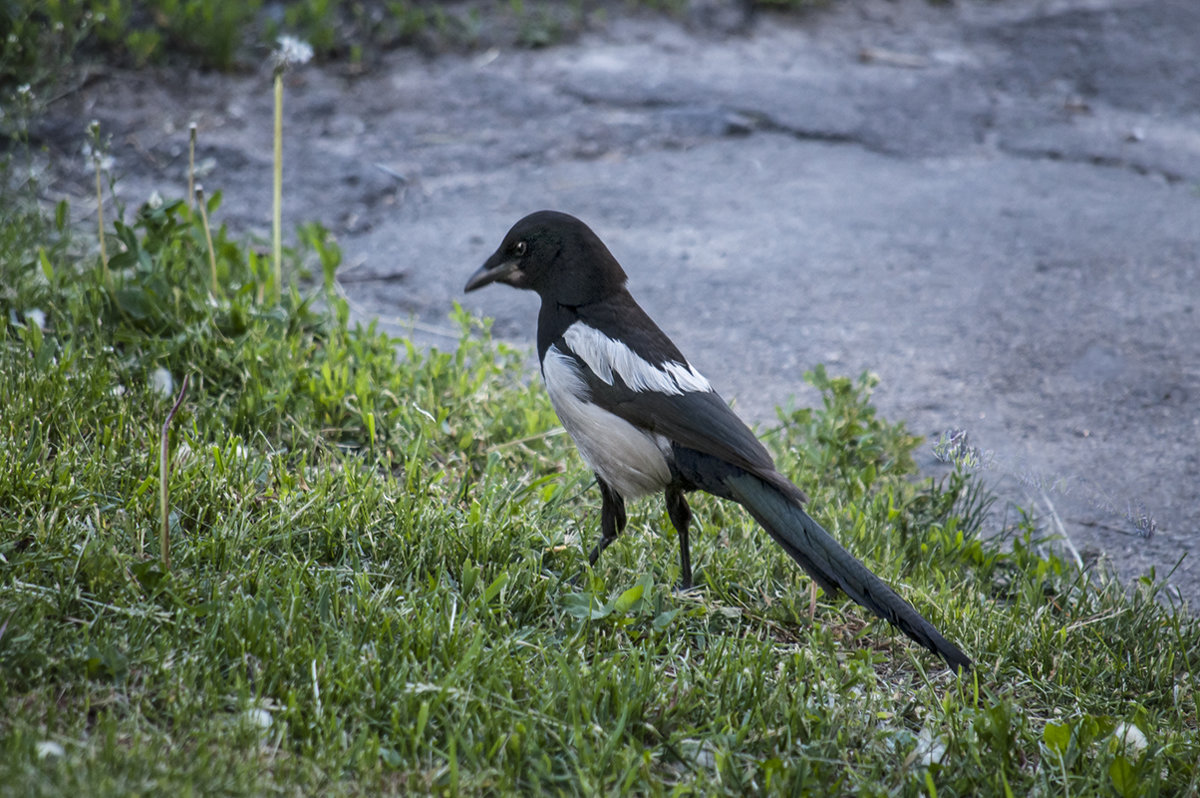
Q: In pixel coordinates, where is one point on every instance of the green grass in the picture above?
(373, 547)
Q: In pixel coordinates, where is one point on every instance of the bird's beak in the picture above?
(493, 270)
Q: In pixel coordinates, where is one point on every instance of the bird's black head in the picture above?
(555, 255)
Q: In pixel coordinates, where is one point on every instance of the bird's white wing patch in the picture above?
(606, 356)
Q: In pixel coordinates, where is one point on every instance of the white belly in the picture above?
(633, 462)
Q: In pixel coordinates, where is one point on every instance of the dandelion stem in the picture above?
(100, 227)
(212, 257)
(93, 130)
(291, 51)
(277, 196)
(192, 165)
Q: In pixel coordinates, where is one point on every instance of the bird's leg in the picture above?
(612, 519)
(681, 517)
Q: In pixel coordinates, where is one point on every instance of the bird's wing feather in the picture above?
(697, 420)
(704, 423)
(636, 372)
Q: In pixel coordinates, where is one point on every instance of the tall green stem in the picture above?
(277, 220)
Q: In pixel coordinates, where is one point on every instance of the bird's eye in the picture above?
(519, 248)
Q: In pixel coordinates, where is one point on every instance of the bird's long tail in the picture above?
(831, 565)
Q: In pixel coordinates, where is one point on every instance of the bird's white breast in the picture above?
(632, 461)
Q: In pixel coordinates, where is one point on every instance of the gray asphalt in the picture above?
(993, 206)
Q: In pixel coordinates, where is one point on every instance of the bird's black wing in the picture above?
(657, 389)
(700, 421)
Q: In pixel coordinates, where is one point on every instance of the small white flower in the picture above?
(36, 316)
(45, 748)
(156, 200)
(24, 90)
(929, 750)
(257, 718)
(95, 157)
(183, 453)
(292, 52)
(1130, 737)
(162, 381)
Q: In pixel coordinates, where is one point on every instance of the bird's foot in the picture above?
(683, 588)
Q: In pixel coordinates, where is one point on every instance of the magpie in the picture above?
(646, 421)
